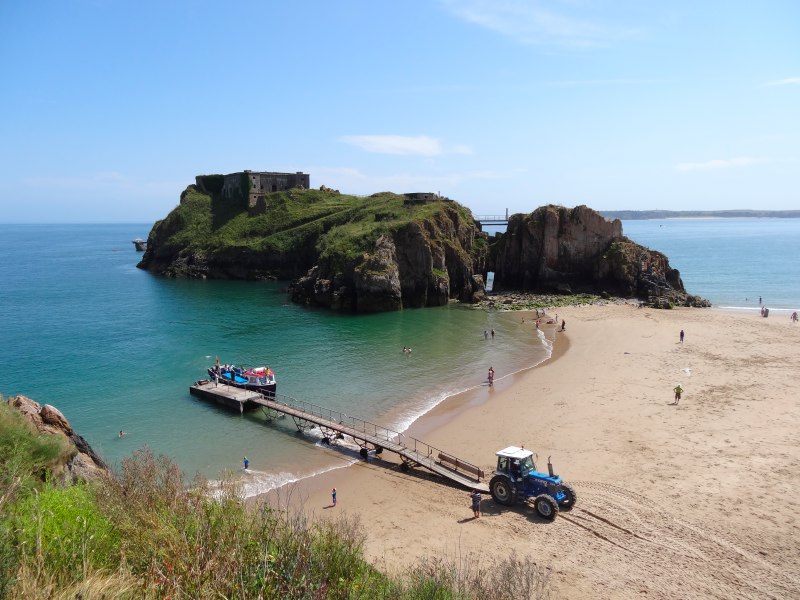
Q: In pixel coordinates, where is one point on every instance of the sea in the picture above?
(116, 348)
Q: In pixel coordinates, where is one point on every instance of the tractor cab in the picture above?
(515, 462)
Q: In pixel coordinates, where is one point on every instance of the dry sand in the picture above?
(698, 500)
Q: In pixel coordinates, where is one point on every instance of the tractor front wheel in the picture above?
(546, 506)
(571, 496)
(503, 490)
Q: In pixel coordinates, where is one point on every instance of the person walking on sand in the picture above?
(563, 325)
(333, 496)
(794, 317)
(681, 336)
(475, 496)
(678, 391)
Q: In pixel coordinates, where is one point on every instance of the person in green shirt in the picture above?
(678, 391)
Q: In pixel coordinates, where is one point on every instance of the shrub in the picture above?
(62, 532)
(146, 534)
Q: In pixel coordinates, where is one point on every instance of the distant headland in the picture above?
(640, 215)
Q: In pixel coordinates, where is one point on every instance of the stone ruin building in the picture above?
(261, 184)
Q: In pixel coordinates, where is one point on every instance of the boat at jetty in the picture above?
(258, 379)
(140, 244)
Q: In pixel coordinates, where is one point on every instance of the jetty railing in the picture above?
(368, 429)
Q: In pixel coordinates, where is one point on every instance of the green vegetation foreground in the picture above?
(141, 533)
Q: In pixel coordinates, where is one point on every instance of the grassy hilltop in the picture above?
(326, 224)
(381, 252)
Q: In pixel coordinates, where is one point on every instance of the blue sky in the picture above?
(108, 109)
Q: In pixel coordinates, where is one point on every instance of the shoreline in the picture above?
(426, 423)
(418, 426)
(665, 493)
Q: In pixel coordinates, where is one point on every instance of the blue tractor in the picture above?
(516, 478)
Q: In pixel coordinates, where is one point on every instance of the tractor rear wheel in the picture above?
(503, 490)
(546, 506)
(571, 496)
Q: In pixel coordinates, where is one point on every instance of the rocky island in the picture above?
(391, 251)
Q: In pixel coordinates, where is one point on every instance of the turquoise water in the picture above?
(115, 348)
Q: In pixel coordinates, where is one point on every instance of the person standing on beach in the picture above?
(678, 391)
(475, 496)
(794, 317)
(563, 325)
(246, 463)
(333, 496)
(491, 376)
(681, 336)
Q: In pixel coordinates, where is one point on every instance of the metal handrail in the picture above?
(368, 428)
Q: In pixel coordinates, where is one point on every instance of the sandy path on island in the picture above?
(698, 500)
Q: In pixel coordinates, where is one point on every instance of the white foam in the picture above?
(433, 401)
(254, 482)
(755, 309)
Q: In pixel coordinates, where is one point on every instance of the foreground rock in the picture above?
(82, 463)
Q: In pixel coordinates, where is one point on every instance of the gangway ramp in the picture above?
(412, 452)
(369, 436)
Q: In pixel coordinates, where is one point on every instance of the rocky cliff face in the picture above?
(419, 264)
(577, 250)
(83, 463)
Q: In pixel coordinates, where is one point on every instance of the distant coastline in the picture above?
(632, 215)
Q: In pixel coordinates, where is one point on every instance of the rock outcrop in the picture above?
(557, 249)
(83, 463)
(390, 251)
(416, 265)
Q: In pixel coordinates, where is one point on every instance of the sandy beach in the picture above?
(697, 500)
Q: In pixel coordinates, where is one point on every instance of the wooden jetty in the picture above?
(334, 425)
(227, 395)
